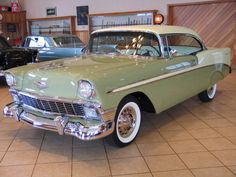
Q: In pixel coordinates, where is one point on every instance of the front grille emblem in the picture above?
(41, 84)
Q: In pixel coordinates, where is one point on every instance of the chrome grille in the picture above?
(53, 106)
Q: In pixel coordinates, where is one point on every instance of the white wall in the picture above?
(37, 8)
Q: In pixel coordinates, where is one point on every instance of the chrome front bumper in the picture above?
(60, 124)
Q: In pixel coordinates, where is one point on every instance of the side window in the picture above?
(181, 44)
(37, 42)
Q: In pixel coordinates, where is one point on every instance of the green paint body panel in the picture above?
(165, 81)
(107, 73)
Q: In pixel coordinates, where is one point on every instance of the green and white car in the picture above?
(125, 70)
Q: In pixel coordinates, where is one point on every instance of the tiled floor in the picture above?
(192, 139)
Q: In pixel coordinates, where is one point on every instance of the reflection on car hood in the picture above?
(62, 76)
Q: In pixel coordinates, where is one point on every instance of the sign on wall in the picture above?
(82, 15)
(51, 11)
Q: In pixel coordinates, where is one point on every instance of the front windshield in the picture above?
(125, 43)
(68, 41)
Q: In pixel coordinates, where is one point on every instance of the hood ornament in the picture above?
(41, 84)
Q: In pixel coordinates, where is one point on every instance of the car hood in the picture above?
(60, 77)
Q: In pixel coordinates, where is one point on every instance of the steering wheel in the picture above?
(149, 52)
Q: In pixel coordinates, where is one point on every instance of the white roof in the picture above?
(156, 29)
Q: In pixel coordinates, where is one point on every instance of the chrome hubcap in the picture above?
(211, 91)
(126, 122)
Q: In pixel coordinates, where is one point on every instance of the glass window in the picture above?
(181, 44)
(36, 42)
(68, 41)
(125, 43)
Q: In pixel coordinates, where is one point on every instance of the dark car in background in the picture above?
(11, 57)
(55, 46)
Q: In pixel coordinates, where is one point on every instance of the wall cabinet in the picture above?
(52, 25)
(100, 21)
(13, 26)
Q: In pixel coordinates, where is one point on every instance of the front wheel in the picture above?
(127, 120)
(209, 94)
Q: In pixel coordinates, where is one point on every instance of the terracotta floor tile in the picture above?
(136, 175)
(166, 123)
(170, 126)
(204, 133)
(25, 144)
(55, 155)
(5, 144)
(186, 146)
(227, 131)
(227, 157)
(176, 135)
(89, 153)
(128, 166)
(55, 141)
(193, 124)
(232, 139)
(1, 155)
(218, 123)
(95, 168)
(233, 169)
(164, 163)
(232, 120)
(125, 152)
(7, 135)
(200, 160)
(80, 143)
(148, 137)
(16, 171)
(32, 133)
(185, 116)
(179, 173)
(206, 114)
(52, 170)
(10, 126)
(155, 149)
(212, 172)
(19, 158)
(217, 144)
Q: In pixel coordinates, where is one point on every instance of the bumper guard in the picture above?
(60, 124)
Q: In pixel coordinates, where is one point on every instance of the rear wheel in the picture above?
(209, 94)
(127, 120)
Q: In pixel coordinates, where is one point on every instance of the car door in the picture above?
(41, 44)
(67, 46)
(181, 76)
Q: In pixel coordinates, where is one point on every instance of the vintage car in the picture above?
(126, 70)
(54, 46)
(12, 57)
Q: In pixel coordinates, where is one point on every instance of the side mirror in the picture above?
(84, 50)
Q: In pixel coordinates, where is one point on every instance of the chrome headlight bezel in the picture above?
(10, 79)
(86, 89)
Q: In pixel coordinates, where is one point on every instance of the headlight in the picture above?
(86, 89)
(10, 79)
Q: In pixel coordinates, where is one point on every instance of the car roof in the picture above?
(157, 29)
(52, 35)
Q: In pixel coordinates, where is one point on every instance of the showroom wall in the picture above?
(36, 9)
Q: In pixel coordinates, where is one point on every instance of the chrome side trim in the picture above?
(154, 79)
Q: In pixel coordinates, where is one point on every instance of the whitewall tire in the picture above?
(209, 94)
(128, 120)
